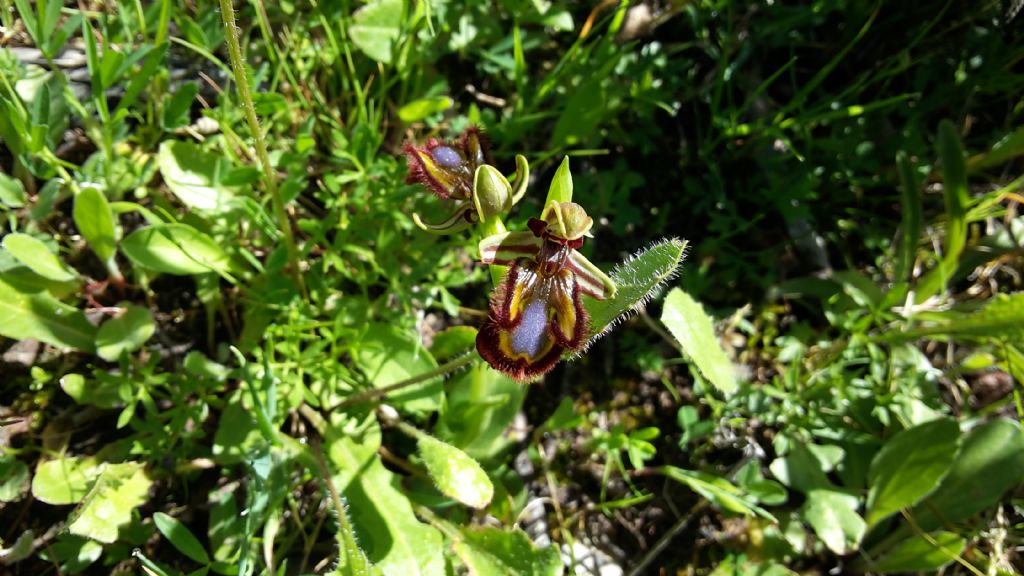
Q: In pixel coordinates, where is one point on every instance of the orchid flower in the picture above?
(462, 171)
(536, 313)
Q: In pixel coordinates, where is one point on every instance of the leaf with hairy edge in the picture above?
(382, 515)
(636, 280)
(693, 328)
(43, 317)
(489, 551)
(455, 474)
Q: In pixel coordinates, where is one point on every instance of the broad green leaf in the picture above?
(920, 554)
(64, 480)
(382, 515)
(181, 537)
(35, 255)
(990, 462)
(490, 551)
(800, 470)
(126, 332)
(481, 403)
(42, 317)
(74, 553)
(909, 466)
(455, 474)
(102, 393)
(174, 249)
(119, 489)
(718, 490)
(195, 175)
(12, 192)
(237, 434)
(95, 221)
(693, 328)
(561, 185)
(453, 340)
(388, 355)
(636, 281)
(375, 27)
(419, 109)
(13, 478)
(833, 516)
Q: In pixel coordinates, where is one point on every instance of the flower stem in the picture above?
(227, 13)
(375, 393)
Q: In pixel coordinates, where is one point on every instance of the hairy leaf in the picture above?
(693, 328)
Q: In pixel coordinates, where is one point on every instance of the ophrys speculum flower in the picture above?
(536, 313)
(462, 171)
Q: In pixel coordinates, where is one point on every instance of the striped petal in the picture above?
(592, 281)
(507, 247)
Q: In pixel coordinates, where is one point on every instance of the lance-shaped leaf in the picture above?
(636, 281)
(455, 474)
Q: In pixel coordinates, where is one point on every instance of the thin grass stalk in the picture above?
(227, 12)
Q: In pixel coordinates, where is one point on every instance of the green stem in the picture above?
(227, 12)
(375, 393)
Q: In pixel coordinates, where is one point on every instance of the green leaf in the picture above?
(910, 227)
(34, 254)
(195, 176)
(388, 355)
(455, 474)
(693, 328)
(561, 185)
(800, 470)
(174, 249)
(1001, 318)
(103, 393)
(990, 462)
(920, 554)
(375, 27)
(718, 490)
(453, 340)
(13, 478)
(124, 333)
(95, 221)
(181, 537)
(955, 192)
(108, 506)
(177, 108)
(833, 516)
(42, 317)
(490, 551)
(419, 109)
(12, 192)
(382, 516)
(636, 280)
(481, 403)
(909, 466)
(64, 480)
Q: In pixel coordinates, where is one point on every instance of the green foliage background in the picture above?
(232, 352)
